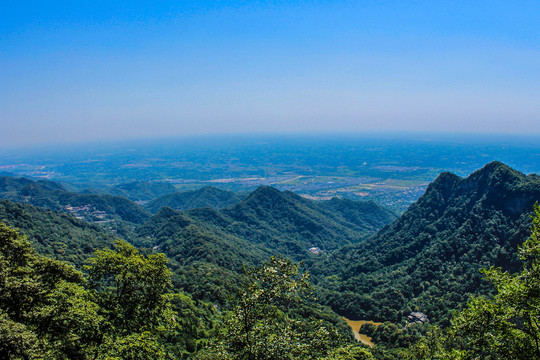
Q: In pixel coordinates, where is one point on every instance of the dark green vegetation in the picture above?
(503, 326)
(273, 319)
(365, 267)
(429, 259)
(207, 247)
(207, 196)
(122, 307)
(56, 235)
(284, 222)
(51, 195)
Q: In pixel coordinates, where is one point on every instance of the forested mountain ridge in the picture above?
(206, 262)
(426, 260)
(56, 235)
(51, 195)
(14, 185)
(219, 242)
(429, 259)
(281, 221)
(207, 196)
(122, 305)
(302, 222)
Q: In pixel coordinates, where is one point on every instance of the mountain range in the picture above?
(429, 259)
(366, 262)
(265, 223)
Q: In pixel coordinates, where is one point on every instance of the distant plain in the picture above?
(391, 169)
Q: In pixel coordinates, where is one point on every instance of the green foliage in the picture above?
(259, 327)
(135, 346)
(131, 288)
(124, 311)
(350, 352)
(43, 305)
(505, 326)
(54, 234)
(429, 259)
(16, 340)
(392, 336)
(142, 319)
(265, 323)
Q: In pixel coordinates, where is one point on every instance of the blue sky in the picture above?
(78, 71)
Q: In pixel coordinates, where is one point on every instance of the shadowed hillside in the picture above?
(429, 259)
(57, 235)
(209, 245)
(51, 195)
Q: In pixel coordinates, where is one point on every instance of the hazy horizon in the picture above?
(492, 138)
(133, 70)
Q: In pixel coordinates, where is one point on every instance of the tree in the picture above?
(350, 352)
(505, 326)
(132, 292)
(265, 323)
(121, 310)
(45, 309)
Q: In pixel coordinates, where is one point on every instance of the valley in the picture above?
(369, 263)
(270, 180)
(388, 169)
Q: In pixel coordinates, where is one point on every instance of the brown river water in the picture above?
(356, 325)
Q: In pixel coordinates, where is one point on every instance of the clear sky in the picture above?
(94, 70)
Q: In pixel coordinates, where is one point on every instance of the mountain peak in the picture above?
(166, 212)
(265, 189)
(492, 181)
(457, 227)
(264, 192)
(495, 167)
(207, 196)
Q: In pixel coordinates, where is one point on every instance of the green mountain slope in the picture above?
(429, 259)
(289, 224)
(207, 196)
(364, 214)
(51, 195)
(57, 235)
(208, 247)
(206, 261)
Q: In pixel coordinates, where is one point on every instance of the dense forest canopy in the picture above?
(202, 280)
(429, 259)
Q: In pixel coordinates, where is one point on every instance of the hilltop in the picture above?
(56, 235)
(208, 247)
(429, 259)
(90, 207)
(206, 196)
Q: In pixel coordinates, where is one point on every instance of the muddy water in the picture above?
(356, 325)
